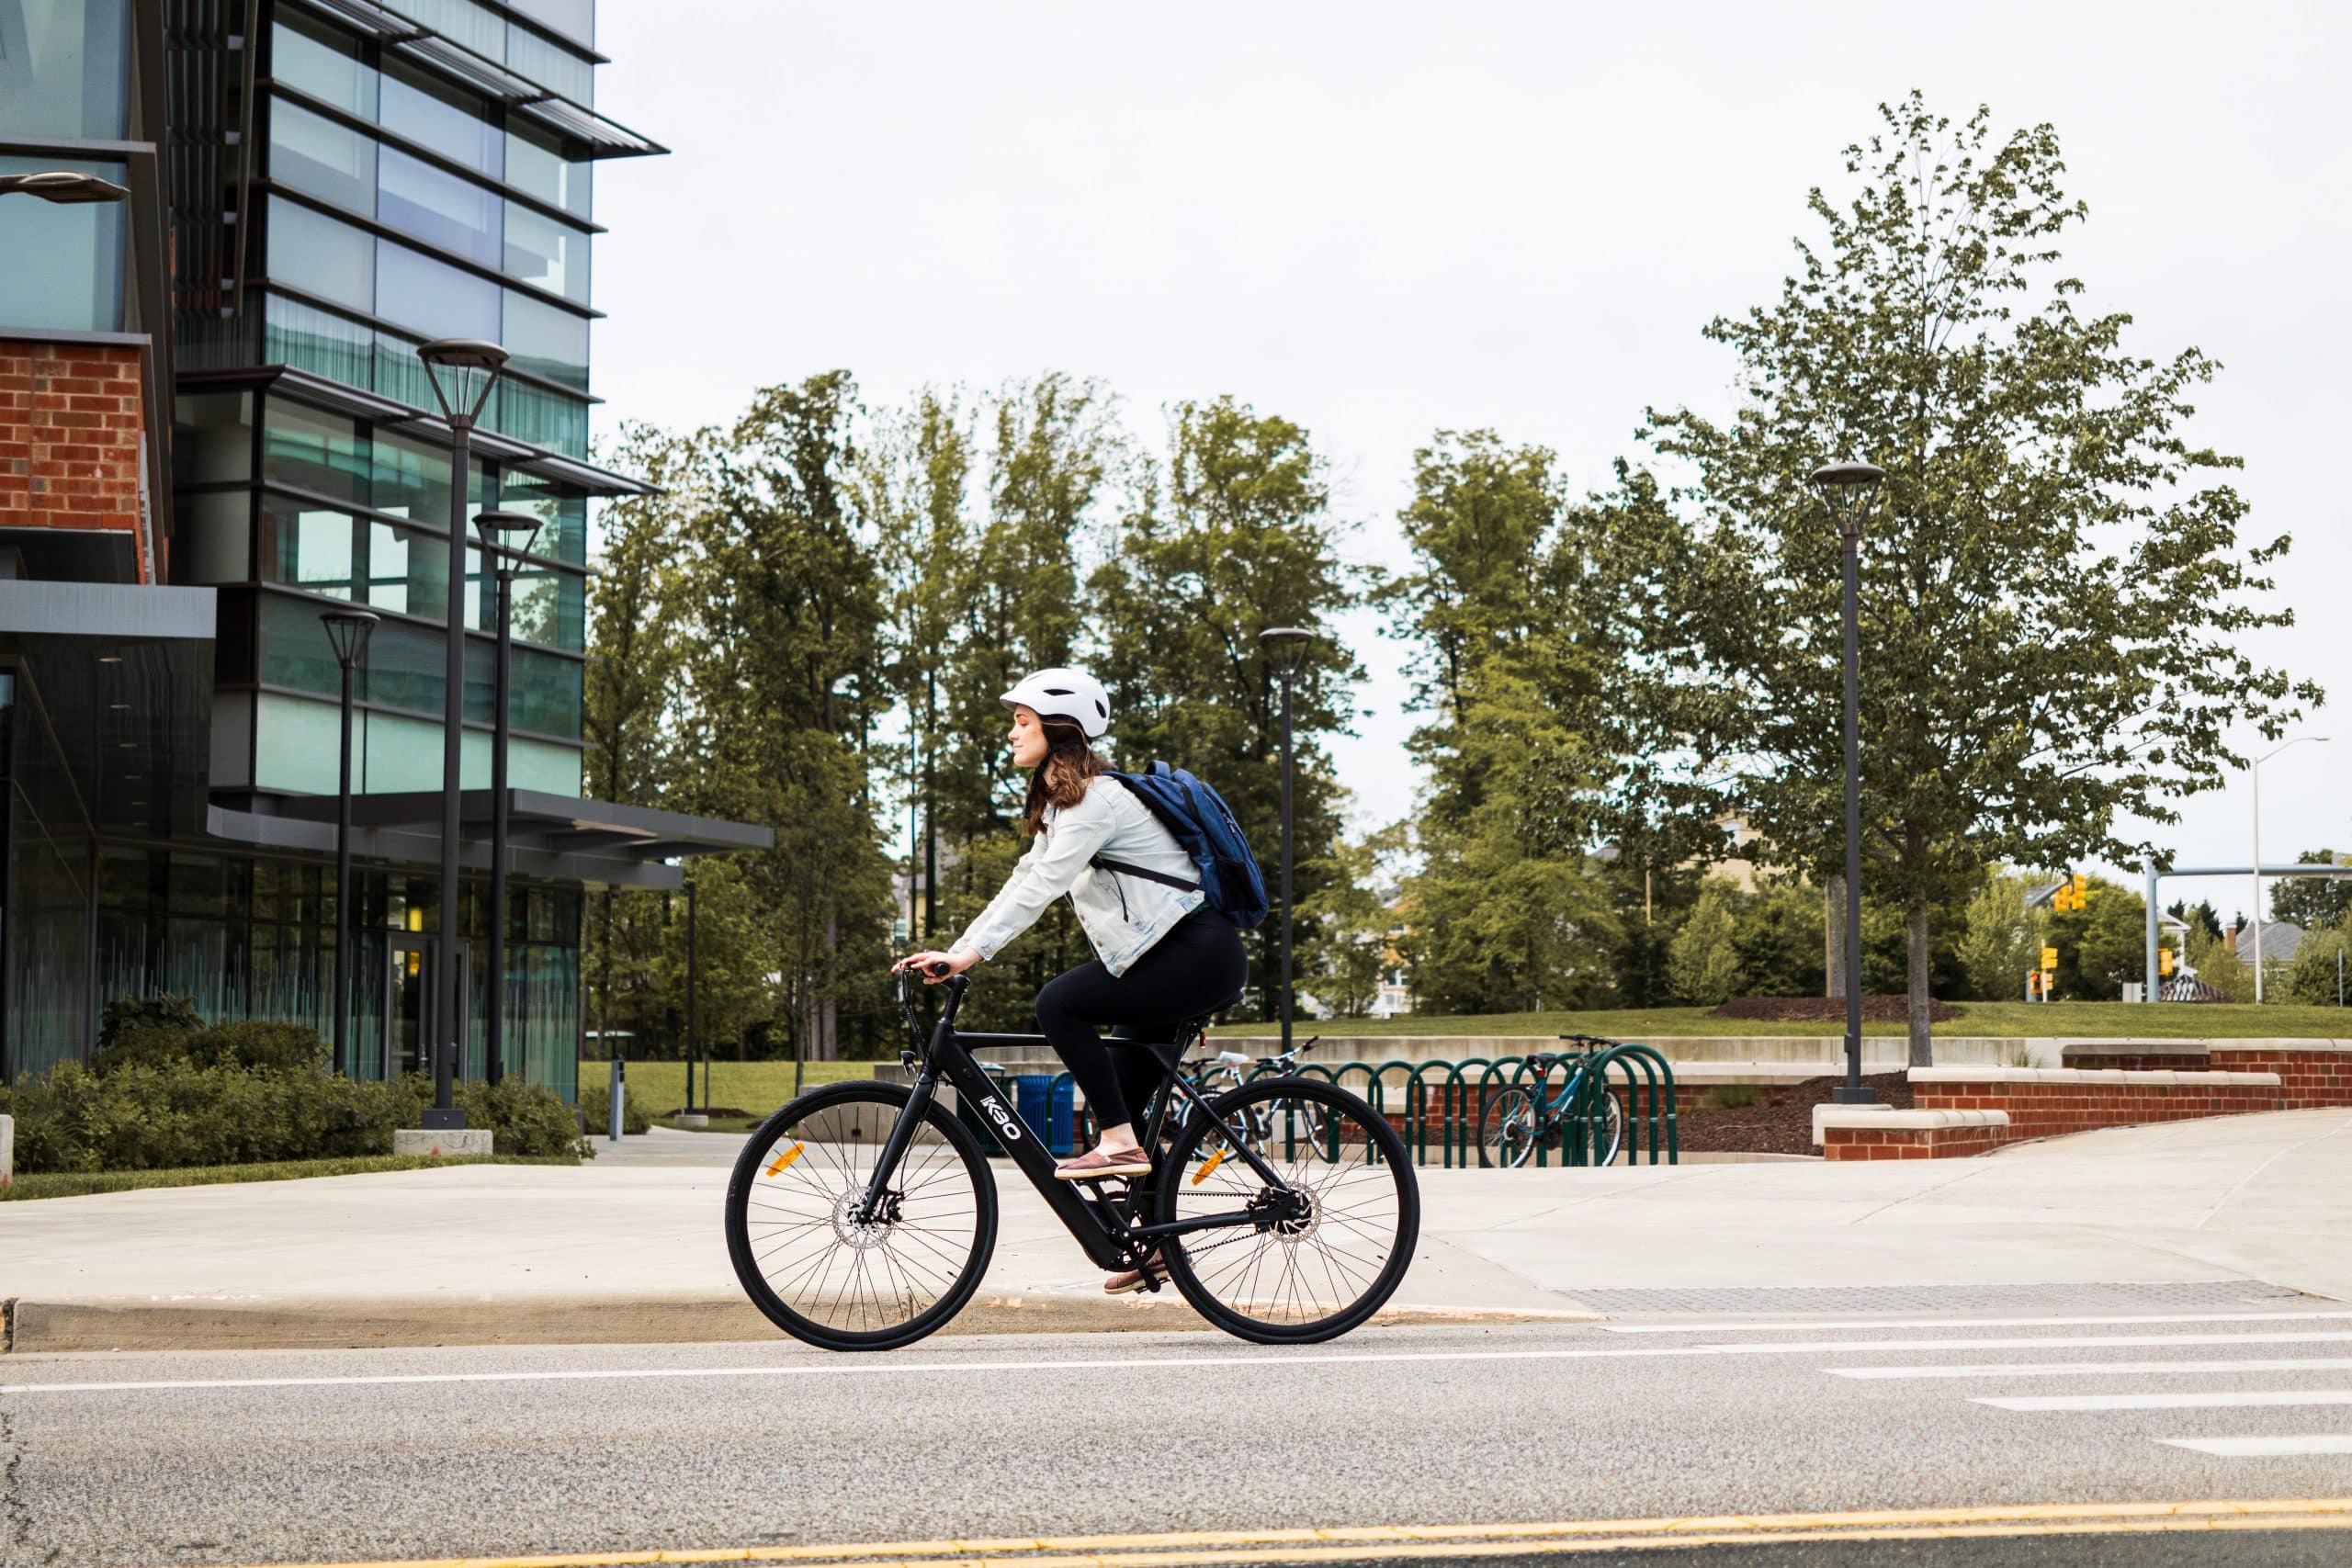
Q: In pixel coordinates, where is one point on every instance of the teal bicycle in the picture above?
(1523, 1116)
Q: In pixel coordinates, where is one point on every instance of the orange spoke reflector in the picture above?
(1210, 1165)
(786, 1157)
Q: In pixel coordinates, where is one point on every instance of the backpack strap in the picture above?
(1105, 863)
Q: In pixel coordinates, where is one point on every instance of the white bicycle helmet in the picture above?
(1064, 694)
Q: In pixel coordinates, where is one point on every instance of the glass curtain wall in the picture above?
(256, 938)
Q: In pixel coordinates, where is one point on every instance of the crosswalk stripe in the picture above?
(2224, 1400)
(2089, 1369)
(2266, 1448)
(1970, 1322)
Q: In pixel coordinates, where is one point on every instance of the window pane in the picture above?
(553, 256)
(407, 666)
(317, 340)
(551, 66)
(313, 449)
(307, 547)
(546, 340)
(314, 154)
(65, 69)
(411, 477)
(460, 21)
(431, 297)
(575, 19)
(546, 696)
(297, 743)
(295, 650)
(549, 608)
(454, 124)
(323, 61)
(321, 256)
(544, 419)
(536, 164)
(565, 513)
(438, 209)
(389, 562)
(61, 266)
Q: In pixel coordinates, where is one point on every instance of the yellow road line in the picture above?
(1365, 1543)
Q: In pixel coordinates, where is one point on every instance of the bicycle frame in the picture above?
(1102, 1225)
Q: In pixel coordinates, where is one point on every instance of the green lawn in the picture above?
(756, 1086)
(2168, 1021)
(80, 1184)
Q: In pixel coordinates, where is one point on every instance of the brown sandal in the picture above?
(1096, 1164)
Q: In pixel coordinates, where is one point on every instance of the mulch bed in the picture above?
(1829, 1009)
(1782, 1127)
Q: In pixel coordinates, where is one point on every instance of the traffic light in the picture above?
(2164, 961)
(2049, 959)
(2081, 889)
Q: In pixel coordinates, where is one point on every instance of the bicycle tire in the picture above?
(1345, 1194)
(765, 1179)
(1506, 1132)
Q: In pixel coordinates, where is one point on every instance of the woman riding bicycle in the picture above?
(1162, 955)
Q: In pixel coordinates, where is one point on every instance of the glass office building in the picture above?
(311, 201)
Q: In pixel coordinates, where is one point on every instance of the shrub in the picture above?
(596, 1105)
(127, 1015)
(524, 1118)
(143, 1117)
(253, 1043)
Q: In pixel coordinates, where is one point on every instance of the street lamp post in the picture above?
(2255, 768)
(1849, 488)
(505, 537)
(348, 630)
(1286, 649)
(463, 372)
(67, 188)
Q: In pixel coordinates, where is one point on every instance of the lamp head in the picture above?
(1849, 488)
(463, 370)
(348, 630)
(513, 532)
(1286, 647)
(65, 186)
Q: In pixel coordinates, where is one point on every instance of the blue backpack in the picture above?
(1204, 824)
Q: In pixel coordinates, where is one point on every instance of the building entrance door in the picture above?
(412, 1004)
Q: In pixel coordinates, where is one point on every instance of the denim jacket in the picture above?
(1122, 915)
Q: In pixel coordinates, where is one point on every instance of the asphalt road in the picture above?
(334, 1456)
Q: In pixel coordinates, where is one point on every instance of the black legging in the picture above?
(1197, 968)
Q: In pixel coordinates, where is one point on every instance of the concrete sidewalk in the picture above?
(629, 1247)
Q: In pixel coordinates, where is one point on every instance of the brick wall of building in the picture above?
(70, 431)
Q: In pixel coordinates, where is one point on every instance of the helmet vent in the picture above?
(1060, 692)
(1101, 709)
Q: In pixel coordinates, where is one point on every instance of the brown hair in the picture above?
(1061, 779)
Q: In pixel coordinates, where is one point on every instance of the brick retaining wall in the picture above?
(2043, 1102)
(2309, 1079)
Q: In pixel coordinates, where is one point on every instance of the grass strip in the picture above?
(81, 1184)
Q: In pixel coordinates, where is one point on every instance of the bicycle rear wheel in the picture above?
(1316, 1257)
(809, 1263)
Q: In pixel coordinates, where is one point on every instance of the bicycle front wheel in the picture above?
(818, 1267)
(1312, 1259)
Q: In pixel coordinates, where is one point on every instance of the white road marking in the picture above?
(2266, 1448)
(2223, 1400)
(1970, 1322)
(2084, 1368)
(875, 1368)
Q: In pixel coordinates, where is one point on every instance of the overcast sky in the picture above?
(1381, 220)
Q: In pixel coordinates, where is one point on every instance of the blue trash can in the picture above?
(1045, 1101)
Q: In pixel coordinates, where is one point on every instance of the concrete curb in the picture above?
(49, 1327)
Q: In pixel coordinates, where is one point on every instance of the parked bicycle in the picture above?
(862, 1215)
(1523, 1116)
(1230, 1069)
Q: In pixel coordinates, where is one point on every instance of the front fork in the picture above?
(894, 1147)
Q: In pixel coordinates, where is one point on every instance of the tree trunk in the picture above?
(1833, 938)
(1922, 1044)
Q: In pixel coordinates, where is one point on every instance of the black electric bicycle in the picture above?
(862, 1215)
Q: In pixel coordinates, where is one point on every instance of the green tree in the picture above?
(2002, 939)
(1779, 940)
(2312, 902)
(2054, 600)
(1703, 958)
(2101, 946)
(2216, 964)
(1228, 534)
(2318, 976)
(1350, 918)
